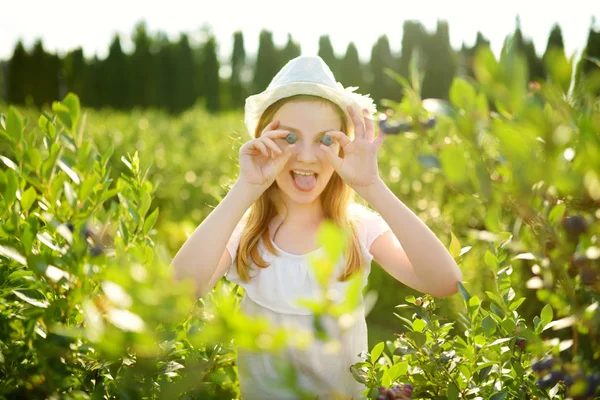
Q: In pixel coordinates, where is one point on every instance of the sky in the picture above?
(67, 24)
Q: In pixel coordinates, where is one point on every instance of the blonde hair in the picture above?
(335, 199)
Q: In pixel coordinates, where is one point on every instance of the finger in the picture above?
(340, 137)
(269, 127)
(359, 130)
(282, 160)
(379, 139)
(271, 144)
(369, 128)
(333, 158)
(276, 134)
(258, 144)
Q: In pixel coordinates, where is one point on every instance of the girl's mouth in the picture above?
(304, 181)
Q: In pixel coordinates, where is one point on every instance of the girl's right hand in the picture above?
(261, 159)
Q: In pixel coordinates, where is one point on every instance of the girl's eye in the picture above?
(291, 138)
(327, 140)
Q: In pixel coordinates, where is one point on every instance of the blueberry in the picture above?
(291, 138)
(381, 397)
(391, 395)
(96, 251)
(327, 140)
(575, 226)
(392, 128)
(382, 390)
(550, 380)
(70, 226)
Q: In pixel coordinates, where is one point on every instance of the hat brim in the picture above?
(258, 103)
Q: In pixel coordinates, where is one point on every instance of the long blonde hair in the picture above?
(335, 200)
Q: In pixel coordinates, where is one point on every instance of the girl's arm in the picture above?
(201, 253)
(421, 261)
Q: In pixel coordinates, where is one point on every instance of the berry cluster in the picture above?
(396, 392)
(549, 374)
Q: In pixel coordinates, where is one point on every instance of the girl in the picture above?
(313, 148)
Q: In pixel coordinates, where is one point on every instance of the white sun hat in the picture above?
(307, 75)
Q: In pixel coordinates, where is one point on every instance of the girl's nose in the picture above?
(307, 152)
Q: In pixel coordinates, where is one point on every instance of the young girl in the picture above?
(313, 147)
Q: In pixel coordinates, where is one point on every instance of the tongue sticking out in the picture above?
(304, 182)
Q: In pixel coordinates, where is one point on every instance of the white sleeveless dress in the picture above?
(272, 293)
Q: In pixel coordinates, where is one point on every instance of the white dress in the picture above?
(272, 294)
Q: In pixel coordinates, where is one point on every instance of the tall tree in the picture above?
(18, 77)
(587, 65)
(142, 63)
(290, 51)
(414, 37)
(267, 62)
(210, 74)
(466, 56)
(74, 71)
(383, 86)
(238, 63)
(185, 76)
(352, 73)
(526, 48)
(115, 76)
(440, 63)
(327, 53)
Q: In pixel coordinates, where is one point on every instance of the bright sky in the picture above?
(66, 24)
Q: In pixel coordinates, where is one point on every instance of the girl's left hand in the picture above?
(359, 167)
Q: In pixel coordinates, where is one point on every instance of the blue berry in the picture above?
(291, 138)
(327, 140)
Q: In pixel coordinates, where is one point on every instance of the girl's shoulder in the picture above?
(369, 224)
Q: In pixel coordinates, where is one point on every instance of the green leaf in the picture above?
(454, 246)
(499, 396)
(14, 124)
(46, 125)
(38, 302)
(12, 254)
(376, 352)
(463, 292)
(488, 325)
(149, 222)
(557, 214)
(418, 325)
(462, 94)
(64, 114)
(490, 260)
(453, 391)
(515, 304)
(27, 198)
(547, 314)
(71, 101)
(332, 239)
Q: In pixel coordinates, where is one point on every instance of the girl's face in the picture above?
(309, 121)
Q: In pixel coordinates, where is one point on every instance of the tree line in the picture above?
(174, 75)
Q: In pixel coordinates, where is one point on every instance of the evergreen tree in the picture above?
(352, 73)
(440, 64)
(414, 37)
(18, 77)
(115, 76)
(290, 51)
(210, 74)
(238, 62)
(466, 56)
(185, 76)
(43, 75)
(383, 86)
(142, 82)
(74, 71)
(327, 53)
(165, 73)
(587, 65)
(267, 62)
(526, 48)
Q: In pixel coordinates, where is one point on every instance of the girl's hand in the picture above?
(261, 159)
(359, 167)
